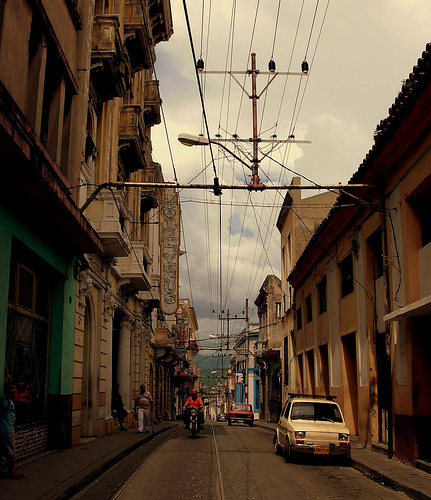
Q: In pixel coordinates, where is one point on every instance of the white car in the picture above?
(312, 425)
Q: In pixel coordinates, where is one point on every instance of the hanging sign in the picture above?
(169, 251)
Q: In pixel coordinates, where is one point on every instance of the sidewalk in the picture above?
(59, 474)
(414, 482)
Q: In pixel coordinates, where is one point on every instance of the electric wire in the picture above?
(248, 58)
(199, 83)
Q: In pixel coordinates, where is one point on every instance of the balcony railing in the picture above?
(109, 217)
(133, 276)
(132, 138)
(151, 103)
(139, 47)
(110, 67)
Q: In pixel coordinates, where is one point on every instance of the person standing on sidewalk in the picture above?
(7, 429)
(118, 410)
(143, 405)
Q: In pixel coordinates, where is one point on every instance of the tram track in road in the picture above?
(198, 459)
(218, 471)
(237, 451)
(225, 463)
(136, 472)
(108, 484)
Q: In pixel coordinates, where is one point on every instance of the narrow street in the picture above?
(227, 463)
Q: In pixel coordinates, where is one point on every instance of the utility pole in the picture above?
(254, 96)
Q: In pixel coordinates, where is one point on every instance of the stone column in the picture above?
(124, 361)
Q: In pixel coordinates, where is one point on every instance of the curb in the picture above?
(66, 490)
(377, 476)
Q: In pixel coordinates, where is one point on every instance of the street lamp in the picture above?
(199, 140)
(193, 140)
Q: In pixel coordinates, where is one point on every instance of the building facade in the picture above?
(246, 369)
(362, 287)
(187, 373)
(80, 250)
(297, 222)
(268, 349)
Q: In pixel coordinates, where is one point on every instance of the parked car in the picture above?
(240, 413)
(221, 417)
(311, 425)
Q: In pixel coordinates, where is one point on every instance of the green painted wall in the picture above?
(63, 301)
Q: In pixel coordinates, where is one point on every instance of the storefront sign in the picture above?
(182, 337)
(182, 321)
(169, 251)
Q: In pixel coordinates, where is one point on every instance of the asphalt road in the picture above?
(227, 463)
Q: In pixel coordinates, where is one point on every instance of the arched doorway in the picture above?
(90, 375)
(121, 355)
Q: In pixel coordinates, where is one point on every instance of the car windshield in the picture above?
(241, 407)
(327, 412)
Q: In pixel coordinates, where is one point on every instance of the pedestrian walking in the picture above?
(143, 405)
(117, 407)
(7, 429)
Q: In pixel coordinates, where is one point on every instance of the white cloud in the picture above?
(365, 50)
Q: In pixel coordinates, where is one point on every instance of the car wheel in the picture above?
(287, 452)
(251, 424)
(229, 422)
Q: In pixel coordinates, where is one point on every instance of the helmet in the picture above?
(194, 391)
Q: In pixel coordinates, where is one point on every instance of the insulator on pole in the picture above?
(217, 190)
(304, 67)
(200, 65)
(271, 66)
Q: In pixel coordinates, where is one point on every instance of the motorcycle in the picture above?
(194, 425)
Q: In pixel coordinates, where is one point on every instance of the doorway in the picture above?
(90, 377)
(351, 382)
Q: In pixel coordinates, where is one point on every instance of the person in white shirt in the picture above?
(143, 405)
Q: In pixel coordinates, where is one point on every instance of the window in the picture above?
(321, 290)
(28, 321)
(287, 410)
(346, 268)
(49, 94)
(286, 359)
(278, 309)
(308, 308)
(421, 205)
(298, 319)
(317, 411)
(375, 245)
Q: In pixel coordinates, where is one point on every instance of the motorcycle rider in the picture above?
(195, 401)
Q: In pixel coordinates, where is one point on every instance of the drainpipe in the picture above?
(388, 338)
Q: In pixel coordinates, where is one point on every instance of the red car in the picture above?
(240, 413)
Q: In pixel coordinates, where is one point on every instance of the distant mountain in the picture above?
(208, 364)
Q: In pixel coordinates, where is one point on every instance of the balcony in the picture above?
(110, 218)
(150, 196)
(140, 49)
(132, 270)
(151, 103)
(132, 138)
(110, 68)
(161, 20)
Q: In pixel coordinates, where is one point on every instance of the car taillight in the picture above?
(343, 437)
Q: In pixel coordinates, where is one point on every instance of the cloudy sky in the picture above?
(358, 52)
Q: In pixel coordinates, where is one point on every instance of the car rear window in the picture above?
(241, 407)
(316, 411)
